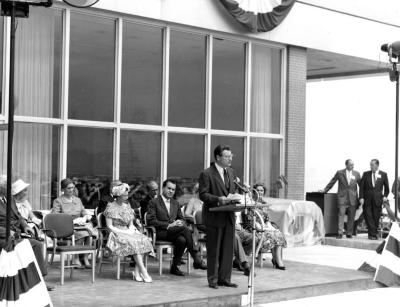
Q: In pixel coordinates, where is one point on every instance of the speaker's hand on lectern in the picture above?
(223, 200)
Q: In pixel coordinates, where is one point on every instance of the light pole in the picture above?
(393, 50)
(14, 9)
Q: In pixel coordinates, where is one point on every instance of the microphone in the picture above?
(244, 188)
(393, 49)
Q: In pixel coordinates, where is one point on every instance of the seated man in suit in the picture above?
(18, 226)
(165, 215)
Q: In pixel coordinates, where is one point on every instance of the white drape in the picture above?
(265, 115)
(32, 146)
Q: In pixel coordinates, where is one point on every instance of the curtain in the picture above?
(265, 117)
(32, 145)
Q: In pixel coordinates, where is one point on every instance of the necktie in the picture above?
(374, 181)
(226, 179)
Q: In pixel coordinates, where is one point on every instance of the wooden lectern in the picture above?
(328, 204)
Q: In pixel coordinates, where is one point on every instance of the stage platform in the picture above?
(303, 278)
(360, 241)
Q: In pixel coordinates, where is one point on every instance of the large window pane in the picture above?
(187, 80)
(140, 156)
(265, 164)
(266, 90)
(38, 53)
(142, 68)
(185, 159)
(90, 154)
(237, 147)
(91, 69)
(228, 85)
(35, 160)
(1, 62)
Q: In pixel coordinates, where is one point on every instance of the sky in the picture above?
(352, 118)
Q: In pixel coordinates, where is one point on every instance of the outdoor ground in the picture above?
(311, 271)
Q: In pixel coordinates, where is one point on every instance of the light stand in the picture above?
(394, 77)
(15, 9)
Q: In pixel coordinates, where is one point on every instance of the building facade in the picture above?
(144, 90)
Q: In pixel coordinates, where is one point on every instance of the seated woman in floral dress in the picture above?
(273, 238)
(125, 239)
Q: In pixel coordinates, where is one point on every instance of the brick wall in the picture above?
(295, 121)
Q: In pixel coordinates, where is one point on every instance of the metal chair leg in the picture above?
(118, 267)
(62, 267)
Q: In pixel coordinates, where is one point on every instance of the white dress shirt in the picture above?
(376, 177)
(220, 171)
(167, 203)
(349, 174)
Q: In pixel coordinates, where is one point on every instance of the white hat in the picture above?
(18, 186)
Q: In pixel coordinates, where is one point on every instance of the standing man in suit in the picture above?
(374, 190)
(215, 184)
(348, 179)
(165, 215)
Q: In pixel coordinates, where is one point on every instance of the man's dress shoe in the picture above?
(227, 284)
(176, 271)
(214, 286)
(200, 265)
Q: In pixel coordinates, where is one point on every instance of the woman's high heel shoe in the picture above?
(276, 266)
(148, 280)
(137, 277)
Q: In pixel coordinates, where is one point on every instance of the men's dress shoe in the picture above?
(339, 236)
(176, 271)
(227, 284)
(214, 286)
(200, 265)
(349, 236)
(49, 288)
(373, 237)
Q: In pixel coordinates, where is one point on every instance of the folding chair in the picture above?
(59, 227)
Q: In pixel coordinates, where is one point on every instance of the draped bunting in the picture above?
(21, 283)
(388, 271)
(259, 15)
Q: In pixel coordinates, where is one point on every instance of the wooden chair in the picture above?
(102, 250)
(59, 227)
(160, 245)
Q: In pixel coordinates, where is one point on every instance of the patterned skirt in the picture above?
(126, 244)
(271, 237)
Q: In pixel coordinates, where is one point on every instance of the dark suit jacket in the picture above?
(17, 222)
(369, 192)
(346, 192)
(157, 214)
(211, 186)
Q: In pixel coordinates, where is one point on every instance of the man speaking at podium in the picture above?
(348, 180)
(215, 184)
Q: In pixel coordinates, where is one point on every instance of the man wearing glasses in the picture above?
(215, 184)
(152, 192)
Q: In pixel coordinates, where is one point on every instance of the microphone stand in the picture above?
(255, 250)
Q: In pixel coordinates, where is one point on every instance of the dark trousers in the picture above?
(238, 250)
(219, 252)
(372, 215)
(342, 211)
(182, 238)
(38, 251)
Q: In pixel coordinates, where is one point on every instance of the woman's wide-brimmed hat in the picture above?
(18, 186)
